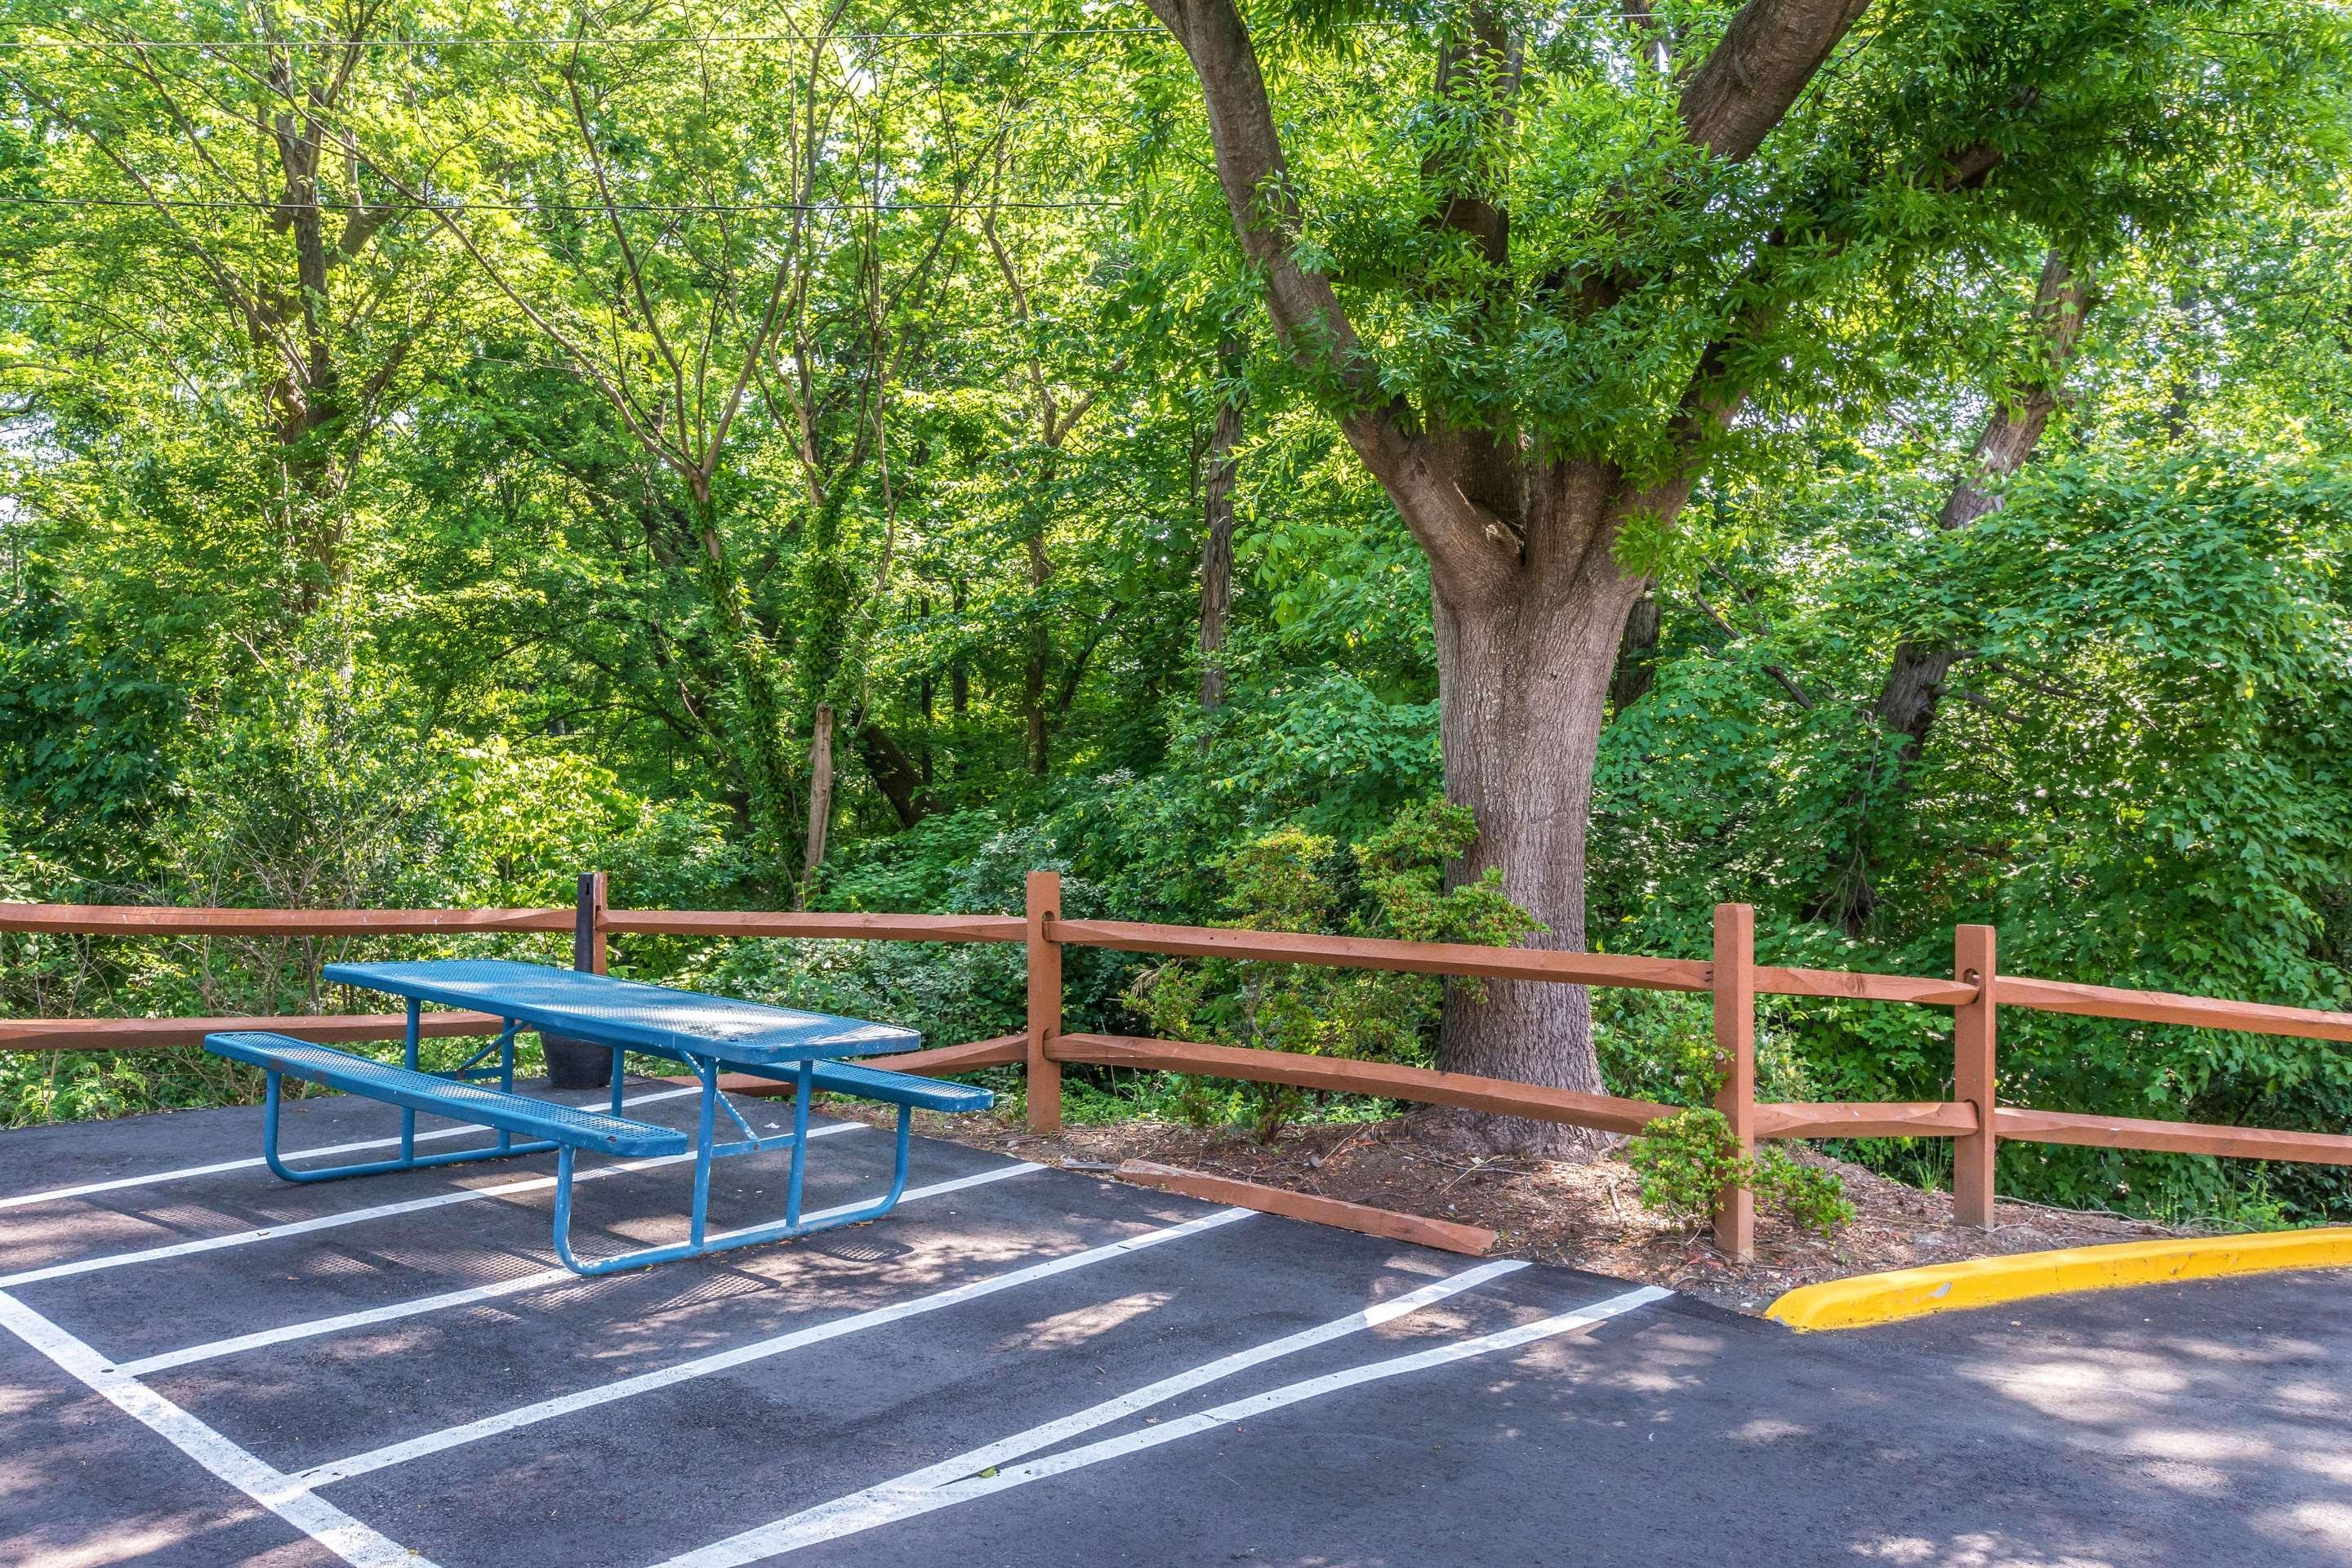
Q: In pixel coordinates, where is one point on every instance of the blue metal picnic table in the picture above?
(709, 1035)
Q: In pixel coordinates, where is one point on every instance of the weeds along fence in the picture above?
(1975, 992)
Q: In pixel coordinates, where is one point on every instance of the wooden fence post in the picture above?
(1734, 1052)
(1045, 952)
(577, 1064)
(1973, 1032)
(588, 950)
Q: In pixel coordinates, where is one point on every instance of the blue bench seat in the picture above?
(414, 1091)
(880, 1083)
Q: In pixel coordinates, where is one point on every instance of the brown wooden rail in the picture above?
(1865, 1119)
(1731, 977)
(1340, 1075)
(161, 1034)
(134, 920)
(2012, 1121)
(866, 927)
(1376, 952)
(2162, 1007)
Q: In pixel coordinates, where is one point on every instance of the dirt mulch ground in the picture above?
(1588, 1214)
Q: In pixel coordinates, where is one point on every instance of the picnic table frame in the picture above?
(708, 1035)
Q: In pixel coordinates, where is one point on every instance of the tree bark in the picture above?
(1912, 692)
(1637, 656)
(904, 783)
(1524, 667)
(1913, 687)
(820, 803)
(1217, 539)
(1527, 602)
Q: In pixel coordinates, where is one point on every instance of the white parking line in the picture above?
(904, 1500)
(913, 1492)
(356, 1216)
(647, 1382)
(520, 1285)
(315, 1517)
(55, 1194)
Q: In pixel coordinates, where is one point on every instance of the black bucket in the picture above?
(577, 1064)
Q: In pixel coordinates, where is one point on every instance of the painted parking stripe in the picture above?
(723, 1361)
(356, 1216)
(57, 1194)
(910, 1494)
(522, 1284)
(315, 1517)
(812, 1526)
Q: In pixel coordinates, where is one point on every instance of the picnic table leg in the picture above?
(706, 1149)
(615, 1107)
(898, 1170)
(269, 1129)
(563, 1212)
(408, 1060)
(706, 1134)
(505, 1077)
(803, 1081)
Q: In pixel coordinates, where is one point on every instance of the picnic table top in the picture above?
(630, 1013)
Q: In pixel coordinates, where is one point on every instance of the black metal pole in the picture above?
(577, 1064)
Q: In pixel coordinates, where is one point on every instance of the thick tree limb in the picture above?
(1915, 681)
(894, 773)
(1306, 314)
(1768, 53)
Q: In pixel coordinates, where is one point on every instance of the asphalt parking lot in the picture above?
(203, 1366)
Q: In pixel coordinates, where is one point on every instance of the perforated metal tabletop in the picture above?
(630, 1013)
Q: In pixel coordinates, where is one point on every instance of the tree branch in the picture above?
(1788, 682)
(1772, 48)
(1307, 319)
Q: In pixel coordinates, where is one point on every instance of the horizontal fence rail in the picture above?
(851, 926)
(1342, 1074)
(136, 920)
(2162, 1007)
(166, 1033)
(1975, 992)
(1378, 953)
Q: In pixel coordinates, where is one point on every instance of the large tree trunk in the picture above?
(820, 803)
(755, 726)
(904, 782)
(1523, 682)
(1528, 601)
(1217, 542)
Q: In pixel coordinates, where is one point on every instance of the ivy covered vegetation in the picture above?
(849, 455)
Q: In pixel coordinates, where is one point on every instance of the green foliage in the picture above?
(440, 580)
(1686, 1159)
(1390, 885)
(1811, 1197)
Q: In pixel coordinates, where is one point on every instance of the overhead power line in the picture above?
(456, 208)
(558, 43)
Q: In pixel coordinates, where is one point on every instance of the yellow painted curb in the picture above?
(1869, 1298)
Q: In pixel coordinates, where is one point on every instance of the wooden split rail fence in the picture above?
(1732, 978)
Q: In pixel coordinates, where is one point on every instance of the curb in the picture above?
(1869, 1298)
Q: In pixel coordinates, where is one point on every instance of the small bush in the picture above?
(1810, 1197)
(1391, 884)
(1684, 1160)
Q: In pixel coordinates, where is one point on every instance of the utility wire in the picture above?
(110, 45)
(463, 206)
